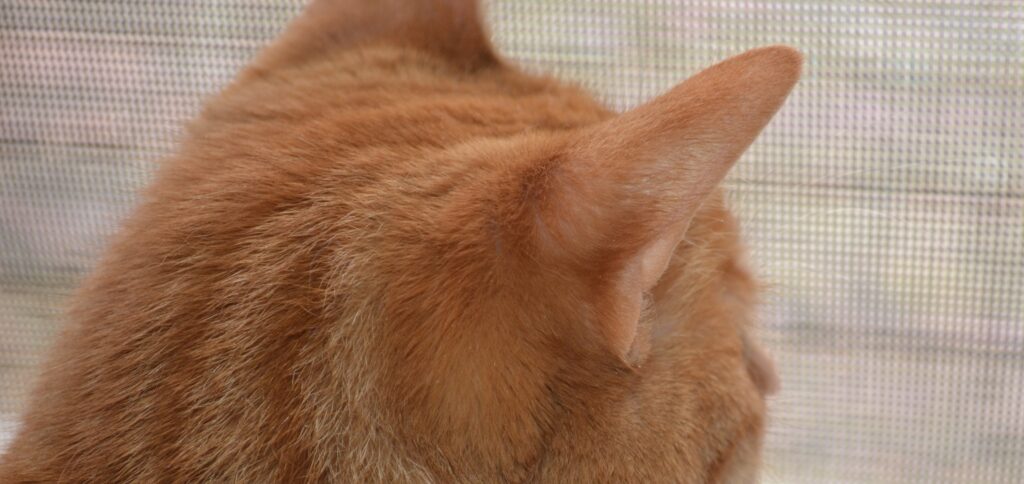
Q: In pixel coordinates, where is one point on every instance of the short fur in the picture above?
(383, 254)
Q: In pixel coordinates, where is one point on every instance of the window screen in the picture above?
(884, 205)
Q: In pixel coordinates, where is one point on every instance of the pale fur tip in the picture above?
(784, 59)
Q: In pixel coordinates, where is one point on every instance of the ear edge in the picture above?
(452, 29)
(774, 70)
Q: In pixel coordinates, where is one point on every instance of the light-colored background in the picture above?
(885, 203)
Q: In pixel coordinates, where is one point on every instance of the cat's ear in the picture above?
(628, 188)
(449, 28)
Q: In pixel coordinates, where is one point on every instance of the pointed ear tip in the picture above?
(786, 60)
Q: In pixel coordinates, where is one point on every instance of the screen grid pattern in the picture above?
(884, 206)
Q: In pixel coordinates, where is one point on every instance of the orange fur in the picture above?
(384, 254)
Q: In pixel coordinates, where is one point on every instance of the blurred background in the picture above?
(884, 205)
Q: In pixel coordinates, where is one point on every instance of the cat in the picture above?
(384, 254)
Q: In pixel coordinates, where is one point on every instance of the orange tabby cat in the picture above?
(384, 254)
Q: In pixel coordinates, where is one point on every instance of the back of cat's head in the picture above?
(538, 316)
(469, 273)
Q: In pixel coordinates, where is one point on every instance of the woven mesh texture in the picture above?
(885, 204)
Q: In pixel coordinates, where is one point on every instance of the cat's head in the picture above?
(579, 311)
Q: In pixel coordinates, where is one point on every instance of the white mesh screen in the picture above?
(885, 203)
